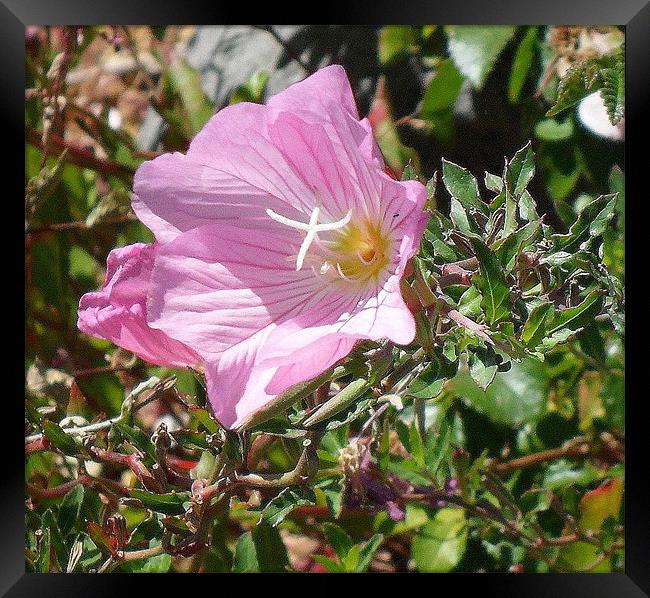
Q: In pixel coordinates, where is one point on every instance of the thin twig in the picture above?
(80, 156)
(576, 448)
(288, 48)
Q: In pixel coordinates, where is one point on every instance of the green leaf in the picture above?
(395, 41)
(253, 90)
(137, 438)
(114, 203)
(491, 283)
(70, 509)
(482, 367)
(589, 75)
(196, 109)
(202, 416)
(493, 182)
(367, 552)
(442, 91)
(427, 385)
(613, 91)
(260, 550)
(170, 503)
(462, 186)
(338, 539)
(514, 397)
(440, 545)
(591, 222)
(43, 562)
(58, 438)
(331, 565)
(521, 170)
(475, 49)
(341, 401)
(521, 66)
(160, 563)
(596, 507)
(579, 316)
(99, 537)
(510, 247)
(552, 130)
(535, 327)
(285, 502)
(245, 560)
(459, 217)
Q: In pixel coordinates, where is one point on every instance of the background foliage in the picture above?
(494, 443)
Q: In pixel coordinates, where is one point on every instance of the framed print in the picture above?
(332, 298)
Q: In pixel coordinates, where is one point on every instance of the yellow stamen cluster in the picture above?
(351, 249)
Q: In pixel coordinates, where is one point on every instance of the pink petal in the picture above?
(238, 387)
(244, 161)
(234, 389)
(117, 312)
(317, 94)
(218, 285)
(317, 97)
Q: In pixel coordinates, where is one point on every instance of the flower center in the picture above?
(347, 249)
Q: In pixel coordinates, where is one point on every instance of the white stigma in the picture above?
(312, 228)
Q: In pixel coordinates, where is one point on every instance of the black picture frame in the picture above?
(634, 14)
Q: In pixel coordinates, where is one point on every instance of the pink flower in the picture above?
(118, 311)
(281, 242)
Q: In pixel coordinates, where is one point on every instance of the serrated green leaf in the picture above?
(590, 223)
(491, 283)
(535, 327)
(576, 317)
(462, 185)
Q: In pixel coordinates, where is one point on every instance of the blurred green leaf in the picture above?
(521, 66)
(550, 129)
(442, 91)
(253, 90)
(338, 539)
(440, 545)
(395, 42)
(514, 397)
(475, 48)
